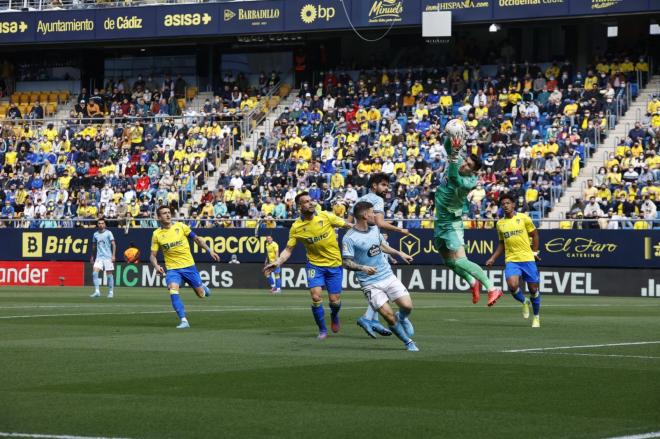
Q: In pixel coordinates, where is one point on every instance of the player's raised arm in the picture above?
(200, 242)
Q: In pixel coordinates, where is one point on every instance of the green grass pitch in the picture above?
(250, 366)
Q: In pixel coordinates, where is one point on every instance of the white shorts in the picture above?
(104, 265)
(379, 293)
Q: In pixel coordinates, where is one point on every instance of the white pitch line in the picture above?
(53, 436)
(639, 436)
(235, 308)
(633, 343)
(645, 357)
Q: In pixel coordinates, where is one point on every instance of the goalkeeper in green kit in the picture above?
(450, 198)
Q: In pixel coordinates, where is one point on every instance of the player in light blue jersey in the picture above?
(379, 186)
(103, 258)
(362, 252)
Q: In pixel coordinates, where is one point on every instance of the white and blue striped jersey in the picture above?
(103, 243)
(364, 249)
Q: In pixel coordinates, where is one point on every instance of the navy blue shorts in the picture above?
(189, 274)
(527, 271)
(328, 277)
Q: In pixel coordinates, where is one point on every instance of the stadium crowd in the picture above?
(533, 129)
(625, 192)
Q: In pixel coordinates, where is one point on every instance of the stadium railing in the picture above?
(480, 223)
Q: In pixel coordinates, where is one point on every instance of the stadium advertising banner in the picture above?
(586, 7)
(318, 15)
(173, 21)
(367, 13)
(252, 16)
(249, 17)
(462, 10)
(521, 9)
(37, 274)
(563, 281)
(559, 248)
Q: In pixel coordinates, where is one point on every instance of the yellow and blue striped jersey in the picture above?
(271, 251)
(174, 244)
(514, 233)
(319, 238)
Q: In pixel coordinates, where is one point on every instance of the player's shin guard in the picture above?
(474, 270)
(519, 296)
(177, 304)
(319, 315)
(97, 280)
(536, 303)
(398, 330)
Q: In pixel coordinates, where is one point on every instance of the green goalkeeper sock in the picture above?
(451, 263)
(474, 270)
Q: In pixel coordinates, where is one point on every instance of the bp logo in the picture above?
(410, 244)
(308, 14)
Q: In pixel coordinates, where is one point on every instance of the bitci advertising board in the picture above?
(559, 248)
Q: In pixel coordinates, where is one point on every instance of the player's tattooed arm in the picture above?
(350, 264)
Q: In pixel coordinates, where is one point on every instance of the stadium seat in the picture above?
(51, 108)
(191, 92)
(284, 91)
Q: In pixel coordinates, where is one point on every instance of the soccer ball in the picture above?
(456, 128)
(132, 255)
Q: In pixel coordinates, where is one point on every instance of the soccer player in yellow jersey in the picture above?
(172, 239)
(514, 232)
(272, 253)
(316, 231)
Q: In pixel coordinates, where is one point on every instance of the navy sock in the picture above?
(397, 329)
(177, 304)
(334, 309)
(536, 303)
(319, 315)
(519, 296)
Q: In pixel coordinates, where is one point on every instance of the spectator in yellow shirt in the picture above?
(337, 180)
(446, 102)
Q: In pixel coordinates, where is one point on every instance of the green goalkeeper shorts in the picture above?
(449, 236)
